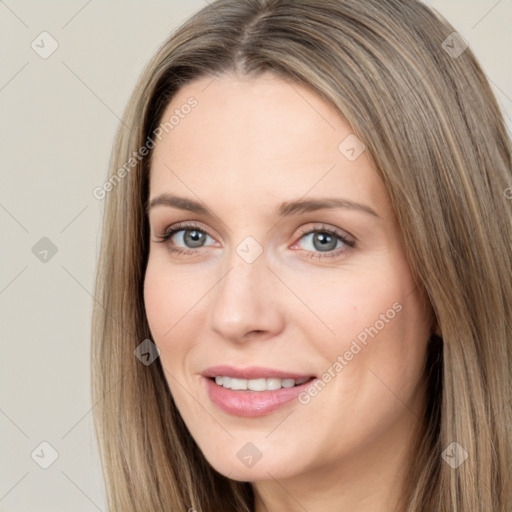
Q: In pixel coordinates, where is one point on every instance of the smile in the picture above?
(260, 384)
(253, 391)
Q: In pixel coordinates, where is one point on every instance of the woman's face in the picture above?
(263, 287)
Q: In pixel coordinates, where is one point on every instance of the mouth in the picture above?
(259, 384)
(254, 373)
(253, 391)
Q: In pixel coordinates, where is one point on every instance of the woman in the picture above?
(304, 282)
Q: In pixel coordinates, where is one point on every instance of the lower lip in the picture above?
(252, 403)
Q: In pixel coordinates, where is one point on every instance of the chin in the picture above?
(244, 469)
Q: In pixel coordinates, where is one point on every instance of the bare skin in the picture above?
(250, 144)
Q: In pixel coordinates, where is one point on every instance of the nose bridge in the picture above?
(242, 301)
(247, 266)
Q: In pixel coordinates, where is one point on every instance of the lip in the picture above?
(252, 372)
(252, 403)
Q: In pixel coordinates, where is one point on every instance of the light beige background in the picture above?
(58, 118)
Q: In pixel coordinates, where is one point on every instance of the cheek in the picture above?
(374, 363)
(166, 300)
(349, 306)
(158, 295)
(385, 347)
(376, 321)
(175, 304)
(168, 296)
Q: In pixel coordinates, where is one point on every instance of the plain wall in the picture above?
(58, 119)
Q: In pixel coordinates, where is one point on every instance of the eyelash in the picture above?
(169, 233)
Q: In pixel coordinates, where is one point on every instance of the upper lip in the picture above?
(252, 372)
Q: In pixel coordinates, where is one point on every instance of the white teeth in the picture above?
(257, 384)
(273, 384)
(237, 384)
(261, 384)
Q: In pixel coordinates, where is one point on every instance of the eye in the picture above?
(329, 242)
(191, 235)
(321, 241)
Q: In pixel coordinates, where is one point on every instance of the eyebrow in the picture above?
(284, 209)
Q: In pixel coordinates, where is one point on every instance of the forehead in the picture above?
(256, 138)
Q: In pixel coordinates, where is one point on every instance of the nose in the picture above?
(246, 302)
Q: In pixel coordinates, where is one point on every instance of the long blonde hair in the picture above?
(425, 111)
